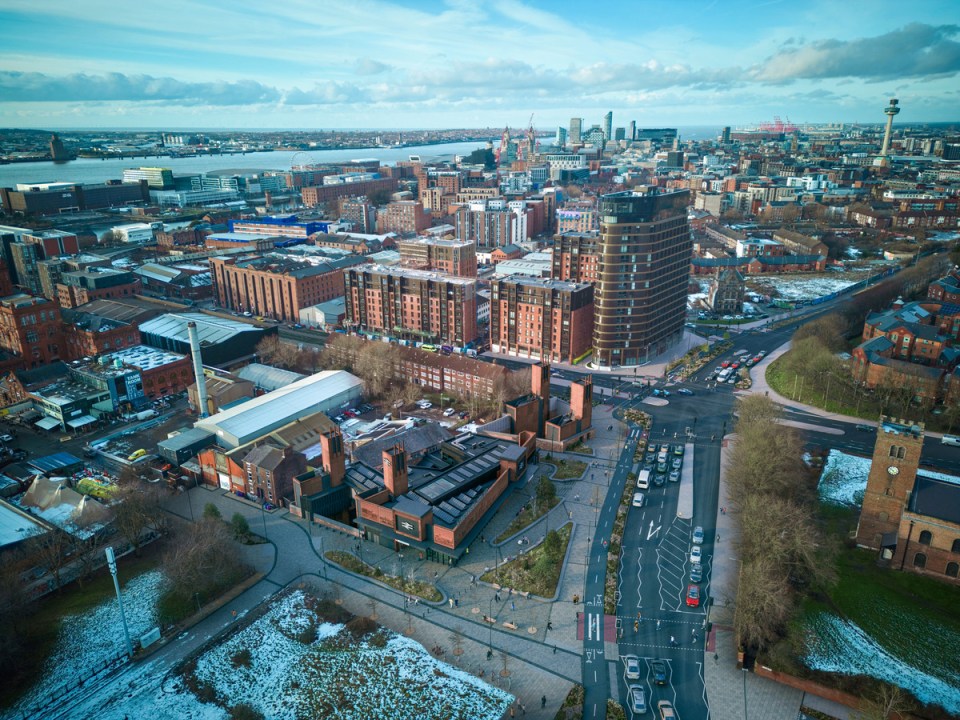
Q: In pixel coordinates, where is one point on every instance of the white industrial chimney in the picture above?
(198, 368)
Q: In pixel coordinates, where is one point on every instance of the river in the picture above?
(91, 170)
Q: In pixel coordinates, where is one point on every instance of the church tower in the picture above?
(893, 470)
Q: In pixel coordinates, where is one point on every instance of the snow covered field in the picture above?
(807, 287)
(89, 641)
(269, 666)
(840, 646)
(332, 676)
(843, 479)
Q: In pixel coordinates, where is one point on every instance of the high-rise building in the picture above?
(633, 130)
(549, 320)
(157, 178)
(608, 126)
(576, 128)
(644, 263)
(594, 136)
(561, 139)
(619, 134)
(725, 135)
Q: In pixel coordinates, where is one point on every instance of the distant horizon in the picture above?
(496, 129)
(417, 64)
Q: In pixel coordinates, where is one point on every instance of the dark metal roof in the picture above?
(936, 498)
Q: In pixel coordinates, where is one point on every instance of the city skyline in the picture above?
(410, 64)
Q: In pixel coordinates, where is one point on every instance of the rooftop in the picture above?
(143, 357)
(211, 329)
(416, 274)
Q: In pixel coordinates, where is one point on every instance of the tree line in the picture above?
(783, 552)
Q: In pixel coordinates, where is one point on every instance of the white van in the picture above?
(950, 440)
(643, 480)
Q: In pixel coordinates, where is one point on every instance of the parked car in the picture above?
(6, 437)
(696, 573)
(659, 670)
(425, 405)
(633, 667)
(696, 554)
(677, 462)
(698, 535)
(678, 450)
(638, 701)
(693, 595)
(448, 412)
(659, 479)
(661, 467)
(674, 476)
(463, 414)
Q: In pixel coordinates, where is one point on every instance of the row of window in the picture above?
(951, 570)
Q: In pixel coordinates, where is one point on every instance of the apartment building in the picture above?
(575, 257)
(645, 249)
(452, 257)
(406, 217)
(30, 328)
(549, 320)
(275, 285)
(411, 304)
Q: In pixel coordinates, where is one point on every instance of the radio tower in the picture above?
(890, 110)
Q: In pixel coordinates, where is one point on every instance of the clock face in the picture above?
(893, 470)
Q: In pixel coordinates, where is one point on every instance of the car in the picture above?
(674, 476)
(865, 428)
(677, 462)
(725, 364)
(698, 535)
(685, 391)
(638, 701)
(449, 411)
(665, 708)
(661, 467)
(659, 670)
(6, 437)
(268, 506)
(696, 554)
(463, 414)
(656, 392)
(665, 393)
(762, 353)
(339, 419)
(678, 450)
(696, 573)
(659, 479)
(638, 499)
(693, 595)
(349, 413)
(425, 405)
(664, 447)
(735, 365)
(734, 379)
(633, 667)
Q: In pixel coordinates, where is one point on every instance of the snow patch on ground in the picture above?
(844, 478)
(89, 641)
(840, 646)
(328, 677)
(802, 288)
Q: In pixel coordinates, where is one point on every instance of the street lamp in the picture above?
(112, 564)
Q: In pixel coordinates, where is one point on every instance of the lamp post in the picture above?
(490, 624)
(112, 564)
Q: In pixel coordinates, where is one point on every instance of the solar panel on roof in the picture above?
(449, 509)
(443, 517)
(457, 504)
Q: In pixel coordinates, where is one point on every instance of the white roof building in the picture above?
(323, 392)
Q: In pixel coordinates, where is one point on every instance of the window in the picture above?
(919, 560)
(925, 537)
(956, 546)
(952, 569)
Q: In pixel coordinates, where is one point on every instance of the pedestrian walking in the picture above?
(673, 640)
(513, 605)
(456, 602)
(543, 701)
(658, 624)
(723, 511)
(718, 537)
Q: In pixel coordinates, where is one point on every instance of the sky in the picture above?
(473, 63)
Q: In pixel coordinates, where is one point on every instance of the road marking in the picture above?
(653, 532)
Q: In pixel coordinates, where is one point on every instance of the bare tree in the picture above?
(52, 549)
(201, 558)
(137, 511)
(884, 703)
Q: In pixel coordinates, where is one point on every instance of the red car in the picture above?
(735, 365)
(725, 364)
(693, 595)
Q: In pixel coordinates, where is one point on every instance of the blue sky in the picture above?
(473, 63)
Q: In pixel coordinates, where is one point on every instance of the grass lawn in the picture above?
(581, 448)
(568, 469)
(41, 629)
(518, 572)
(410, 587)
(527, 516)
(842, 403)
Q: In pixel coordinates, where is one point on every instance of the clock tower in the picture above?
(893, 470)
